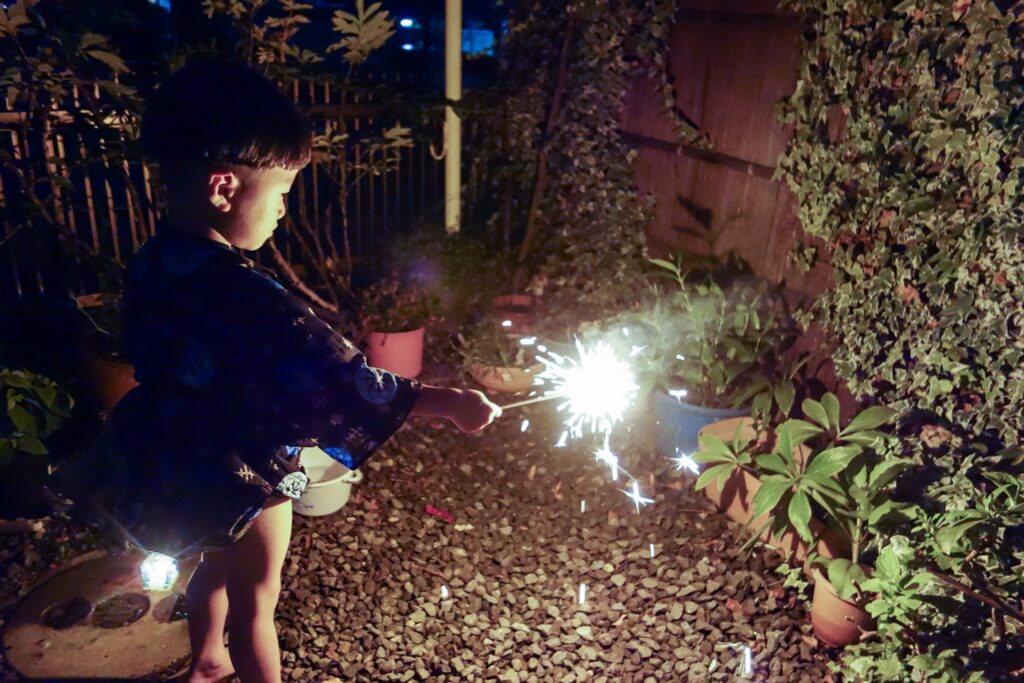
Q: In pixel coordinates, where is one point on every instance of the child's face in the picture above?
(255, 205)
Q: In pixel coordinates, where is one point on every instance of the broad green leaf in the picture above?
(785, 392)
(800, 430)
(22, 419)
(885, 472)
(712, 473)
(881, 511)
(800, 514)
(814, 410)
(772, 462)
(831, 405)
(110, 59)
(838, 576)
(829, 462)
(951, 537)
(869, 419)
(769, 495)
(866, 438)
(888, 565)
(30, 443)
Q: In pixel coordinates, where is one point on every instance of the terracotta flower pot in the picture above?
(397, 352)
(107, 381)
(519, 309)
(835, 620)
(508, 380)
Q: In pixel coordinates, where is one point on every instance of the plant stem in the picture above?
(991, 601)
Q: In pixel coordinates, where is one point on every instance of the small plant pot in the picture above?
(397, 352)
(107, 381)
(677, 423)
(330, 484)
(507, 380)
(837, 622)
(519, 309)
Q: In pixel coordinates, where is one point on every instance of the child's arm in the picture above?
(469, 409)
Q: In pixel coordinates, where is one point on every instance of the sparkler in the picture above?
(596, 388)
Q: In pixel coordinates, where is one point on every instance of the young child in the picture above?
(235, 373)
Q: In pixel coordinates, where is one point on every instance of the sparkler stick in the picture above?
(531, 401)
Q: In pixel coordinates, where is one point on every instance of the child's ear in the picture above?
(222, 187)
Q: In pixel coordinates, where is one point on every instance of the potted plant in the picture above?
(519, 309)
(705, 357)
(394, 315)
(848, 472)
(496, 357)
(107, 376)
(35, 409)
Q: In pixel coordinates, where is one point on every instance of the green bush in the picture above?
(906, 161)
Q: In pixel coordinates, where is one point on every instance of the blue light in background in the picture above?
(163, 4)
(405, 23)
(408, 46)
(477, 41)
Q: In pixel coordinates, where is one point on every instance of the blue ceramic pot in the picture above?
(676, 423)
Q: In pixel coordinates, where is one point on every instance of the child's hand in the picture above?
(474, 411)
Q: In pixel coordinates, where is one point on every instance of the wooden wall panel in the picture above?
(732, 61)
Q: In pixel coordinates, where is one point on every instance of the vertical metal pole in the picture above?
(452, 125)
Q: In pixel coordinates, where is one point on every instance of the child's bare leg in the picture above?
(253, 584)
(206, 600)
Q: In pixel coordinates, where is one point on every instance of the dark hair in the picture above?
(225, 112)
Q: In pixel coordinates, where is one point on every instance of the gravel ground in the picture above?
(495, 521)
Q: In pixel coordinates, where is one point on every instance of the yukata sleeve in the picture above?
(304, 384)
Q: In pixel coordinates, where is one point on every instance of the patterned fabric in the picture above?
(236, 374)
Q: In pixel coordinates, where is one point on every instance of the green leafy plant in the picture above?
(909, 188)
(714, 343)
(559, 177)
(36, 407)
(393, 305)
(487, 344)
(845, 472)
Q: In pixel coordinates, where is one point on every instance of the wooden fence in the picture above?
(113, 208)
(732, 61)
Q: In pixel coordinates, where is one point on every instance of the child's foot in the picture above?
(209, 671)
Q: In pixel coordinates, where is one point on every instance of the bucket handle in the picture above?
(352, 477)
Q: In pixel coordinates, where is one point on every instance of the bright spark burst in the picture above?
(685, 462)
(562, 440)
(597, 387)
(526, 425)
(636, 497)
(677, 394)
(635, 350)
(506, 323)
(604, 454)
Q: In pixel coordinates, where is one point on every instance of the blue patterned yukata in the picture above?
(235, 375)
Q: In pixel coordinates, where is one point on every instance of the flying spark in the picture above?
(685, 462)
(636, 497)
(526, 425)
(583, 593)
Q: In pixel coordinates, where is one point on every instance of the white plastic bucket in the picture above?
(330, 483)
